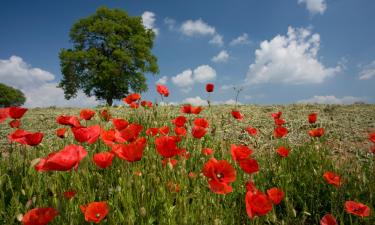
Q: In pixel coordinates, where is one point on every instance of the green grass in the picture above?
(146, 199)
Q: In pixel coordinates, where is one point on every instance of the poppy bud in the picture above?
(210, 87)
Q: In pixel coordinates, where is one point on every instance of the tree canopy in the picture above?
(110, 55)
(10, 96)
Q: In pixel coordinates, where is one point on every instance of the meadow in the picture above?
(180, 190)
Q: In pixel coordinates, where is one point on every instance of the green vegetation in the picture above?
(10, 96)
(148, 199)
(110, 55)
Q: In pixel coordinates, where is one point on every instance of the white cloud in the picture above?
(227, 87)
(162, 80)
(188, 77)
(39, 86)
(331, 99)
(199, 101)
(204, 73)
(200, 28)
(314, 6)
(184, 79)
(367, 71)
(148, 19)
(223, 56)
(241, 40)
(290, 59)
(171, 23)
(197, 27)
(217, 40)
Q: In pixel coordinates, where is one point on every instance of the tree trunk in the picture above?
(109, 101)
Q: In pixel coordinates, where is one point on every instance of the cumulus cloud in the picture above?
(188, 77)
(162, 80)
(200, 28)
(148, 19)
(290, 59)
(217, 39)
(367, 72)
(314, 6)
(240, 40)
(331, 99)
(171, 23)
(38, 85)
(223, 56)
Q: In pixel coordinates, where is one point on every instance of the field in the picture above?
(148, 192)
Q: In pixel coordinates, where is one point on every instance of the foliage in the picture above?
(10, 96)
(110, 55)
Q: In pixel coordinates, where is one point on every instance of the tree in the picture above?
(10, 96)
(111, 52)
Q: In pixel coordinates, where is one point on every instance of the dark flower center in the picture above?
(97, 215)
(219, 175)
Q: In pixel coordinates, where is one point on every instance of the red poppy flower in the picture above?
(4, 114)
(16, 112)
(252, 131)
(249, 166)
(86, 114)
(332, 178)
(166, 146)
(68, 120)
(63, 160)
(257, 204)
(131, 152)
(108, 137)
(277, 115)
(371, 137)
(60, 132)
(240, 152)
(171, 162)
(152, 131)
(282, 151)
(179, 121)
(318, 132)
(162, 90)
(250, 187)
(219, 173)
(279, 122)
(173, 187)
(25, 137)
(39, 216)
(146, 104)
(357, 208)
(192, 174)
(207, 151)
(120, 124)
(280, 132)
(186, 109)
(276, 195)
(70, 194)
(180, 131)
(328, 219)
(105, 115)
(103, 159)
(15, 123)
(87, 134)
(95, 211)
(196, 110)
(134, 105)
(164, 130)
(237, 115)
(312, 117)
(201, 122)
(210, 87)
(132, 98)
(198, 132)
(130, 133)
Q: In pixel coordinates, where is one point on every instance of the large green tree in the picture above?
(10, 96)
(110, 55)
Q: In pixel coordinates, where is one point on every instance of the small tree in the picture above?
(111, 52)
(10, 96)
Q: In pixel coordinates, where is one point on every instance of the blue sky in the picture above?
(277, 51)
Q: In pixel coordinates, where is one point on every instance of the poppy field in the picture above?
(143, 163)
